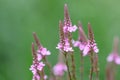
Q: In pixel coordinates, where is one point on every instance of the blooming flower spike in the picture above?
(67, 21)
(91, 45)
(33, 68)
(82, 40)
(41, 52)
(114, 56)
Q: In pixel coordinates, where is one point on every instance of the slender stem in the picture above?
(68, 69)
(49, 66)
(73, 66)
(92, 65)
(96, 67)
(42, 75)
(81, 66)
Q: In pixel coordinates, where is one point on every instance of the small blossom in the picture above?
(79, 44)
(114, 57)
(86, 50)
(59, 69)
(59, 46)
(70, 28)
(33, 69)
(39, 57)
(67, 46)
(82, 40)
(45, 77)
(36, 77)
(90, 47)
(40, 66)
(43, 51)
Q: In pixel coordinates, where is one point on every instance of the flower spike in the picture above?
(36, 40)
(66, 16)
(114, 56)
(67, 21)
(82, 39)
(82, 36)
(90, 33)
(91, 45)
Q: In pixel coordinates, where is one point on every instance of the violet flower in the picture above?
(91, 44)
(37, 66)
(82, 40)
(38, 56)
(67, 22)
(41, 52)
(60, 67)
(66, 29)
(114, 56)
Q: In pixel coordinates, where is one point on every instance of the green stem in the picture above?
(81, 66)
(73, 66)
(68, 69)
(96, 67)
(50, 68)
(92, 65)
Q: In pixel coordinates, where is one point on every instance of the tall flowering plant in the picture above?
(65, 68)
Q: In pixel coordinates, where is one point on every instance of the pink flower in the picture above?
(43, 51)
(59, 46)
(36, 77)
(67, 46)
(40, 66)
(59, 69)
(82, 40)
(33, 69)
(72, 28)
(91, 46)
(79, 44)
(114, 57)
(69, 28)
(39, 57)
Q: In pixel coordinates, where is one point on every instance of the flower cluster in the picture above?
(38, 56)
(66, 29)
(60, 67)
(86, 44)
(114, 56)
(66, 63)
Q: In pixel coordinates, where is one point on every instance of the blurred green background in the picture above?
(19, 18)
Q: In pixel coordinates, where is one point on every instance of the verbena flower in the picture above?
(66, 29)
(82, 40)
(42, 52)
(91, 44)
(114, 56)
(38, 55)
(35, 67)
(59, 69)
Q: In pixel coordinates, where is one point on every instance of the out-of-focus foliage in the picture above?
(19, 18)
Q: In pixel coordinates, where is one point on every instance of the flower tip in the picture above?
(36, 39)
(66, 13)
(115, 44)
(79, 24)
(65, 5)
(90, 32)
